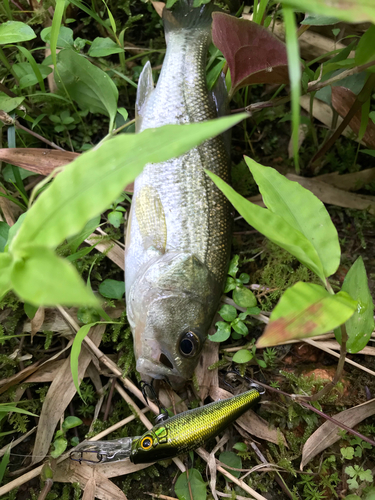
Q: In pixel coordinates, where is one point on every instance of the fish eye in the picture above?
(146, 443)
(189, 344)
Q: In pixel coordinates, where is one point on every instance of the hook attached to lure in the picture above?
(179, 434)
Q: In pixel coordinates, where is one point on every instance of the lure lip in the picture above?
(106, 451)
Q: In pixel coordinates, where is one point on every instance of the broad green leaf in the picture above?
(26, 74)
(5, 270)
(41, 278)
(222, 333)
(360, 326)
(365, 51)
(244, 297)
(115, 218)
(112, 289)
(370, 152)
(30, 310)
(60, 446)
(4, 462)
(14, 32)
(233, 460)
(228, 313)
(300, 208)
(89, 184)
(347, 10)
(87, 315)
(239, 327)
(74, 354)
(306, 310)
(196, 483)
(4, 233)
(71, 422)
(14, 229)
(240, 446)
(8, 104)
(318, 20)
(294, 68)
(8, 173)
(87, 84)
(274, 228)
(243, 356)
(102, 47)
(64, 38)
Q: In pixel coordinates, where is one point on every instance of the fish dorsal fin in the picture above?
(151, 219)
(144, 90)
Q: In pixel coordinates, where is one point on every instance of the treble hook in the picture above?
(163, 414)
(252, 384)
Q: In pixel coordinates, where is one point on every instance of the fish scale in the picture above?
(175, 287)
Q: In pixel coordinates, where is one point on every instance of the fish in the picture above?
(179, 229)
(179, 434)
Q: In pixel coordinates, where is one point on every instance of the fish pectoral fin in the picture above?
(144, 90)
(151, 219)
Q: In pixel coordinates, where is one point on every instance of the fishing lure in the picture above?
(179, 434)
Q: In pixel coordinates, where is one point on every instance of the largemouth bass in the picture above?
(178, 235)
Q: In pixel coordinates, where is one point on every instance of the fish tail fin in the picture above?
(185, 16)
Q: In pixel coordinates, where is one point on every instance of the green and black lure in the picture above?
(179, 434)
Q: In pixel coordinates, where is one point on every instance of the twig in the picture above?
(109, 400)
(163, 497)
(46, 489)
(40, 137)
(336, 78)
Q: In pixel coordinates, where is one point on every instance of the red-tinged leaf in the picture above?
(253, 54)
(306, 310)
(342, 100)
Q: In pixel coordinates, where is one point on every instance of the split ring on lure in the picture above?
(179, 434)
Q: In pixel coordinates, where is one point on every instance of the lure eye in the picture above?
(189, 344)
(146, 443)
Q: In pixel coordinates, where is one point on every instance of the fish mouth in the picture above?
(158, 368)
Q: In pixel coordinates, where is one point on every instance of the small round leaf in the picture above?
(244, 297)
(243, 356)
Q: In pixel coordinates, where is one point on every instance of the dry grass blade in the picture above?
(328, 433)
(37, 322)
(90, 489)
(330, 194)
(38, 160)
(211, 464)
(17, 441)
(111, 248)
(250, 421)
(8, 208)
(368, 350)
(59, 395)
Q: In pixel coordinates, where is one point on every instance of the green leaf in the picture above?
(222, 333)
(5, 270)
(346, 10)
(74, 354)
(26, 74)
(244, 278)
(112, 289)
(244, 297)
(243, 356)
(370, 152)
(87, 315)
(30, 310)
(233, 460)
(102, 47)
(123, 113)
(60, 446)
(8, 408)
(196, 483)
(81, 191)
(365, 51)
(41, 278)
(88, 85)
(4, 233)
(35, 67)
(8, 104)
(347, 453)
(115, 218)
(75, 241)
(228, 313)
(274, 228)
(4, 462)
(8, 173)
(360, 326)
(233, 266)
(306, 310)
(318, 20)
(294, 68)
(14, 32)
(239, 327)
(240, 447)
(64, 38)
(230, 284)
(300, 208)
(71, 422)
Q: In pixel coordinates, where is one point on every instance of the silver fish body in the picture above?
(178, 235)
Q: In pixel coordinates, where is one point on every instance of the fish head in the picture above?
(171, 311)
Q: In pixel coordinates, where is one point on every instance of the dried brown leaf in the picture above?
(159, 7)
(342, 100)
(328, 433)
(329, 194)
(37, 322)
(253, 54)
(205, 377)
(59, 395)
(250, 421)
(349, 182)
(38, 160)
(90, 489)
(46, 372)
